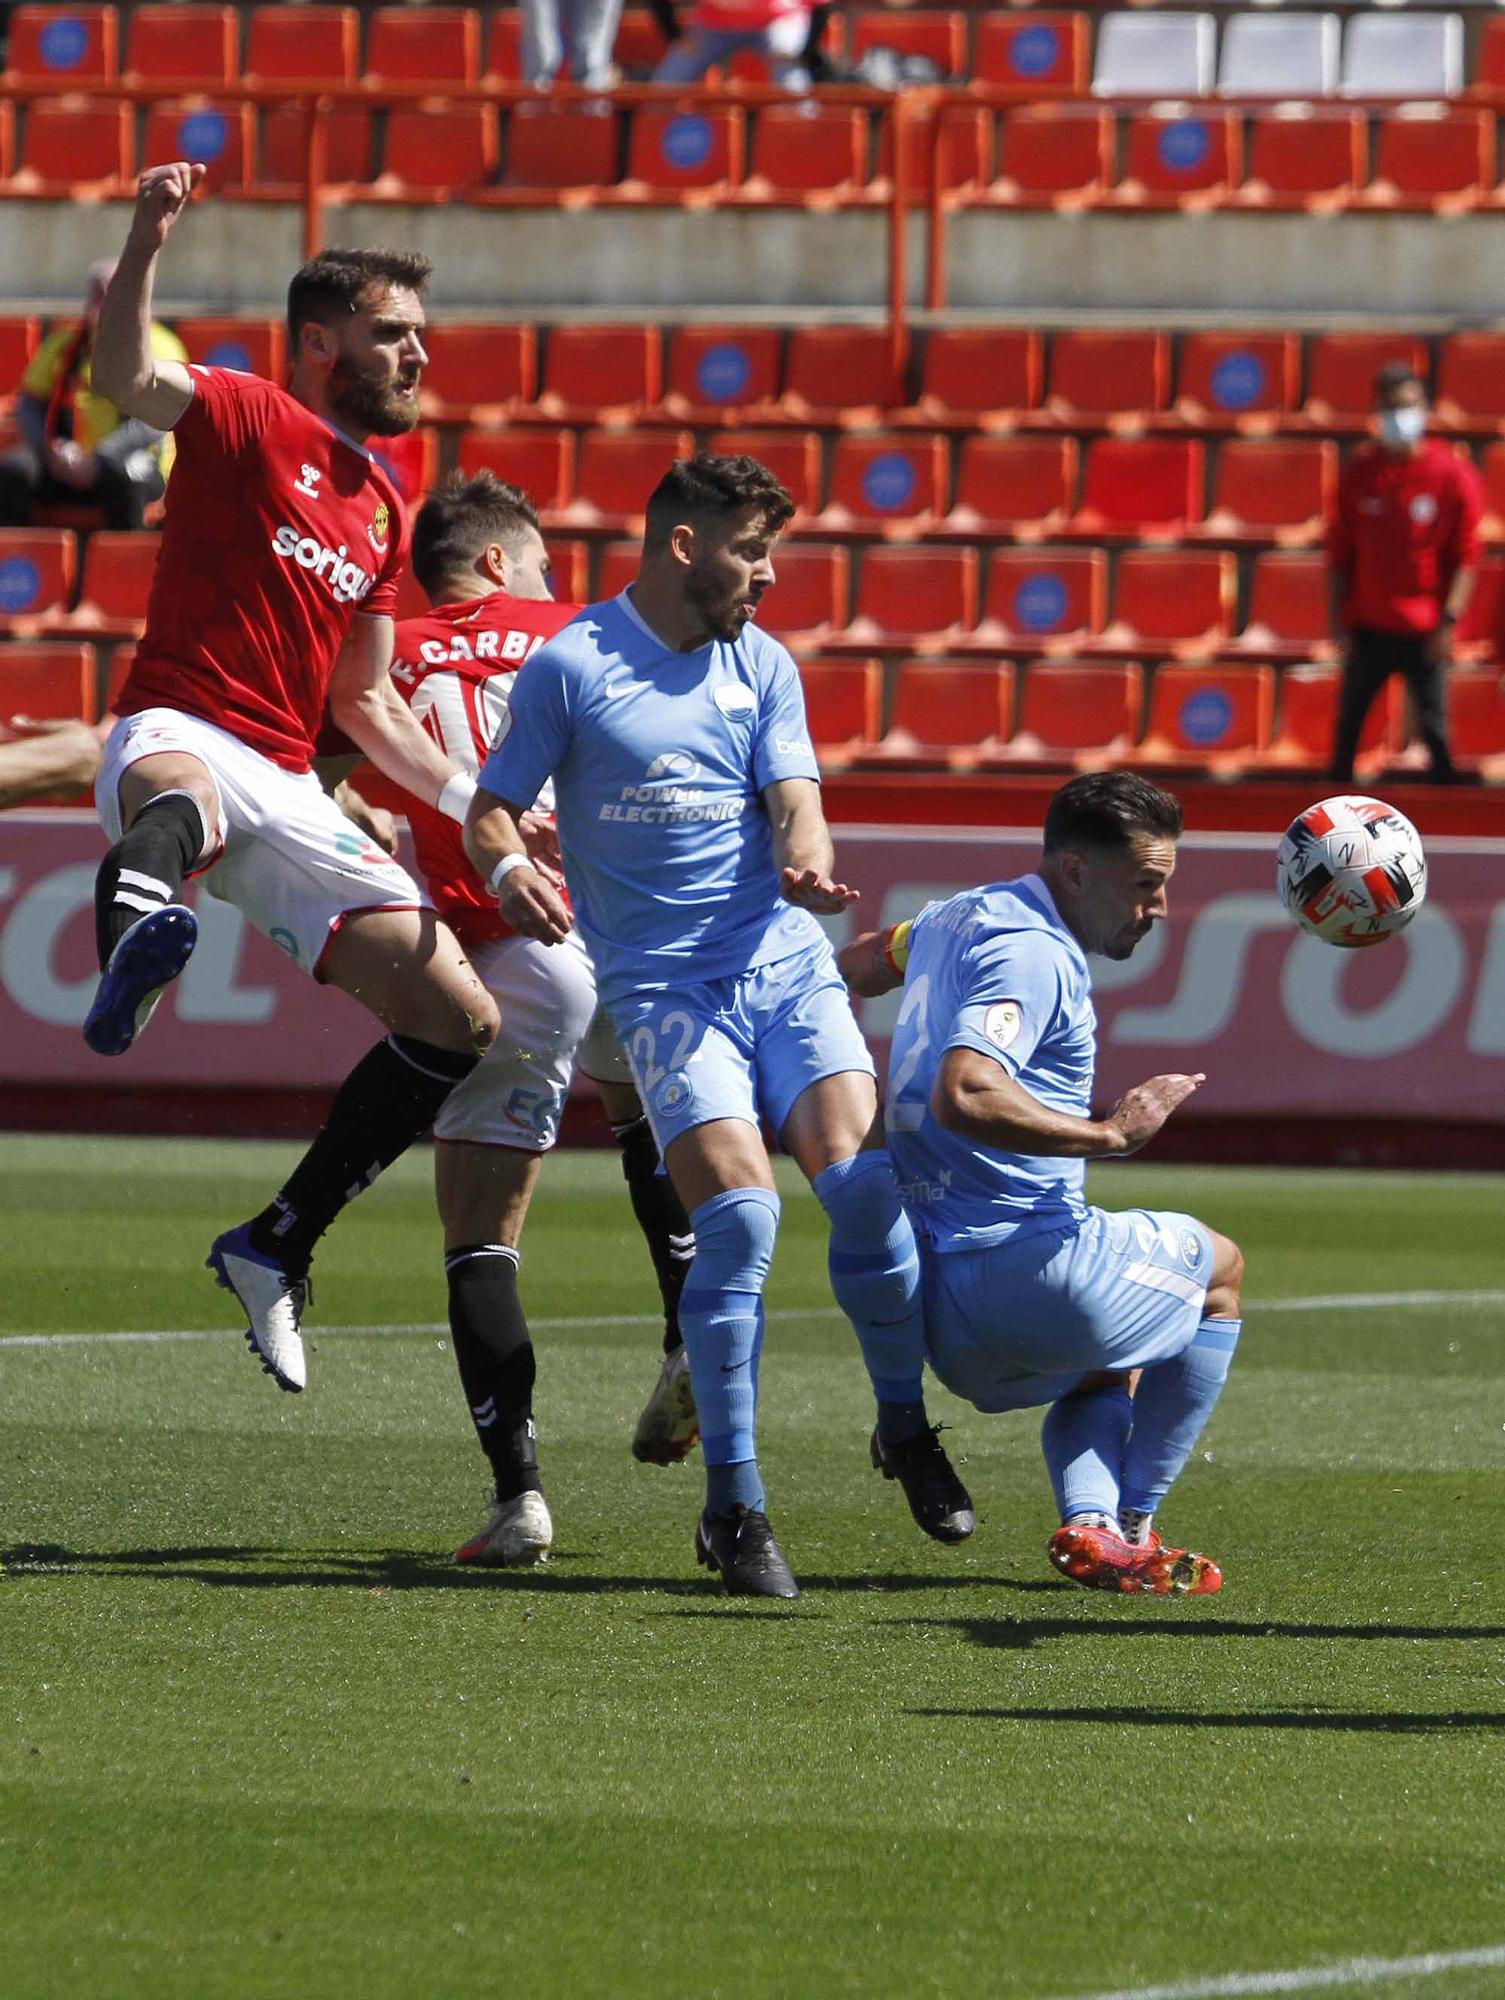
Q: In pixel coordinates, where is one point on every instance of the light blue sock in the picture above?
(1083, 1441)
(721, 1319)
(875, 1272)
(1171, 1405)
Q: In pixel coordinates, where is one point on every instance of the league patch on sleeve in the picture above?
(1002, 1022)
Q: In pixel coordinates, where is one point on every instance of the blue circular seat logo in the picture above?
(1035, 51)
(1184, 145)
(20, 583)
(722, 373)
(889, 481)
(203, 135)
(686, 143)
(229, 354)
(63, 43)
(1040, 602)
(1206, 717)
(1238, 380)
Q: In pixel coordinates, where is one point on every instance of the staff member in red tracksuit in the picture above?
(1403, 542)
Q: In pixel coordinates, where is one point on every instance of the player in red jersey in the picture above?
(274, 592)
(479, 555)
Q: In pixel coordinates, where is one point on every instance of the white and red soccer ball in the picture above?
(1352, 871)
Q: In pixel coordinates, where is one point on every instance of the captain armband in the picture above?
(896, 948)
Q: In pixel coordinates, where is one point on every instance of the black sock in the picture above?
(495, 1357)
(389, 1099)
(661, 1217)
(144, 870)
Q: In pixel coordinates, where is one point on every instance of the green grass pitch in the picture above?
(262, 1738)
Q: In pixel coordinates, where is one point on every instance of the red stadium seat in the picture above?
(617, 470)
(254, 346)
(840, 375)
(1478, 632)
(640, 42)
(1433, 156)
(960, 155)
(810, 592)
(220, 134)
(1171, 601)
(1178, 157)
(947, 714)
(793, 457)
(559, 148)
(1273, 489)
(1237, 381)
(541, 462)
(423, 45)
(1020, 486)
(73, 147)
(715, 371)
(1476, 713)
(1492, 471)
(18, 343)
(1341, 368)
(684, 151)
(477, 367)
(841, 708)
(570, 571)
(978, 377)
(620, 562)
(1073, 713)
(503, 60)
(1033, 54)
(118, 572)
(302, 45)
(411, 460)
(814, 153)
(1216, 717)
(437, 151)
(893, 484)
(49, 683)
(37, 568)
(1141, 486)
(601, 374)
(935, 36)
(1307, 717)
(1039, 599)
(1053, 156)
(182, 48)
(1290, 615)
(348, 139)
(1489, 60)
(1103, 374)
(921, 597)
(1304, 156)
(65, 45)
(1471, 383)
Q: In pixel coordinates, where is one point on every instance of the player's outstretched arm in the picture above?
(124, 370)
(976, 1096)
(867, 964)
(803, 847)
(364, 704)
(498, 853)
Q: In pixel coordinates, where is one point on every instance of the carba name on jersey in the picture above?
(348, 582)
(509, 645)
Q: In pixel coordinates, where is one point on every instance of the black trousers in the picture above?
(25, 481)
(1372, 658)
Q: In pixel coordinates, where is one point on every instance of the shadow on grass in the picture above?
(1020, 1634)
(1382, 1723)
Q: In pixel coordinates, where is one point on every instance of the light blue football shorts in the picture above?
(741, 1047)
(1021, 1322)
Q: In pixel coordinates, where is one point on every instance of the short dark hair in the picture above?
(1108, 809)
(1396, 375)
(463, 515)
(715, 485)
(334, 284)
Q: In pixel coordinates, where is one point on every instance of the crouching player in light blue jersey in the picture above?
(696, 850)
(1031, 1296)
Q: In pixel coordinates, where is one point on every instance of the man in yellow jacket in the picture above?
(77, 447)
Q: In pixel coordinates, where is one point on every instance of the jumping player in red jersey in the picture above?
(274, 591)
(479, 555)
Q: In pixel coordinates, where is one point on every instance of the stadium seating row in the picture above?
(1425, 156)
(1161, 603)
(1268, 53)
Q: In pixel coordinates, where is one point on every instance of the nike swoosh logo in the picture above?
(614, 690)
(732, 1369)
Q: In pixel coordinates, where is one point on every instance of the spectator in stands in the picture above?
(585, 31)
(77, 447)
(776, 30)
(1403, 542)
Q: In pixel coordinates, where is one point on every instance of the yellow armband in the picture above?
(897, 948)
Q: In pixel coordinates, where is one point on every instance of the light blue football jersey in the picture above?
(995, 970)
(659, 759)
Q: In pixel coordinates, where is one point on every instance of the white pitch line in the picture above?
(1349, 1301)
(1308, 1979)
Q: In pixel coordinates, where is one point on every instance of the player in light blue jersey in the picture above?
(697, 855)
(1032, 1296)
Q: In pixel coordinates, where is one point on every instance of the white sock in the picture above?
(1135, 1526)
(1095, 1520)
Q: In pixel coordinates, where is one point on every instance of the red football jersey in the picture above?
(455, 668)
(279, 529)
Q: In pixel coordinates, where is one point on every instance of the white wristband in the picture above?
(455, 796)
(504, 868)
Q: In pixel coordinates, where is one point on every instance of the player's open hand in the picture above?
(532, 907)
(811, 890)
(1140, 1112)
(541, 838)
(162, 193)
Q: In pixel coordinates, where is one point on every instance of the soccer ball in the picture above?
(1352, 871)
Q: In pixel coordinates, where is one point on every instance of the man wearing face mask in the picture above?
(1403, 542)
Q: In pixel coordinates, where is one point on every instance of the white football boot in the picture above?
(273, 1299)
(517, 1534)
(669, 1425)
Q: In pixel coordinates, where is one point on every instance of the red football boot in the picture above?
(1101, 1560)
